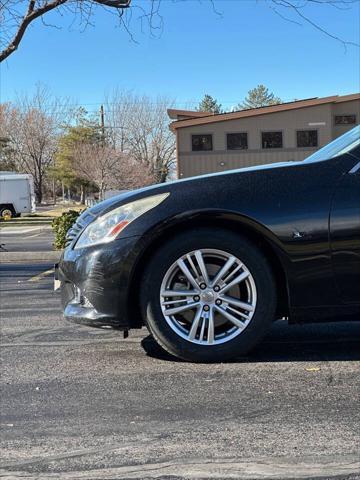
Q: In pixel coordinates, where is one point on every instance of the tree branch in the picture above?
(15, 24)
(29, 17)
(34, 13)
(115, 3)
(292, 4)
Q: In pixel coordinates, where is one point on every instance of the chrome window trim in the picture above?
(355, 168)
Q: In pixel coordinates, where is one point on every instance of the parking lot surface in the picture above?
(85, 403)
(32, 238)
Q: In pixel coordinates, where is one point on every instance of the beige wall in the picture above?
(195, 163)
(344, 108)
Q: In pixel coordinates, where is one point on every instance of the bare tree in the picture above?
(96, 163)
(17, 15)
(118, 111)
(129, 175)
(108, 168)
(32, 126)
(139, 126)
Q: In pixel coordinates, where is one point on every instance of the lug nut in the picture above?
(218, 302)
(206, 308)
(216, 288)
(202, 286)
(196, 298)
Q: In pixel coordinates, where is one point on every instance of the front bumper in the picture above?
(78, 309)
(95, 283)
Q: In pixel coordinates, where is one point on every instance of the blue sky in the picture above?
(198, 52)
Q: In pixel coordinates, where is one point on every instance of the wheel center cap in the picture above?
(208, 297)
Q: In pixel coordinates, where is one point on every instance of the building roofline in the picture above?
(252, 112)
(175, 113)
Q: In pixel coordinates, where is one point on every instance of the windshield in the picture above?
(341, 145)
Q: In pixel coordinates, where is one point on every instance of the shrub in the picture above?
(61, 226)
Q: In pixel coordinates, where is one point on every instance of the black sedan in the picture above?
(208, 263)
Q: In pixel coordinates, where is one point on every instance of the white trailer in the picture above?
(16, 194)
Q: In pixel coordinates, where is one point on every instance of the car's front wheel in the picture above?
(208, 296)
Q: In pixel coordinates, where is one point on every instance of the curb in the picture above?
(51, 256)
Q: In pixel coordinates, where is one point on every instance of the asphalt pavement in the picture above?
(82, 403)
(27, 238)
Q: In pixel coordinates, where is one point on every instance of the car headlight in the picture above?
(107, 227)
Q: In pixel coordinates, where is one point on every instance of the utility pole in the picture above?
(102, 124)
(54, 184)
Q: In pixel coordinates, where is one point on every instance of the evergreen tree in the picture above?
(259, 97)
(209, 104)
(7, 162)
(65, 169)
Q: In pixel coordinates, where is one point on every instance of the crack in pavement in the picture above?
(323, 467)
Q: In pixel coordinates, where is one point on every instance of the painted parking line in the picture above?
(41, 275)
(18, 230)
(35, 235)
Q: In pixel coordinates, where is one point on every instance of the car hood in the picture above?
(132, 195)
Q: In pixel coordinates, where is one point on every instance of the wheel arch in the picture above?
(237, 223)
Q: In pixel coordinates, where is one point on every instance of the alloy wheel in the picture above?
(208, 296)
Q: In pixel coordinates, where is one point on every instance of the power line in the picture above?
(69, 106)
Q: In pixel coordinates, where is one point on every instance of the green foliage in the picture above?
(259, 97)
(61, 225)
(209, 104)
(7, 162)
(84, 132)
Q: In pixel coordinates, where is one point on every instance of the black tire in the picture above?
(7, 208)
(229, 242)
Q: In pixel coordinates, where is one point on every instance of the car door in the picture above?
(345, 235)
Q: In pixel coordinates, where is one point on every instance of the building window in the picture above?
(307, 138)
(345, 119)
(272, 140)
(236, 141)
(201, 143)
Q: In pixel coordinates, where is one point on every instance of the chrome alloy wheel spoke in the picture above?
(238, 323)
(189, 276)
(195, 324)
(211, 326)
(196, 271)
(202, 329)
(223, 271)
(203, 270)
(248, 307)
(180, 309)
(240, 278)
(179, 293)
(201, 321)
